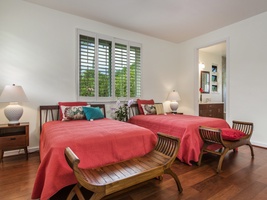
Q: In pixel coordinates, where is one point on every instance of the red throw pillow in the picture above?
(78, 103)
(140, 101)
(232, 134)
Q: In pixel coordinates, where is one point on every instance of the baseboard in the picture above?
(34, 149)
(20, 151)
(259, 144)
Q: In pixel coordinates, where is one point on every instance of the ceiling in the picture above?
(170, 20)
(217, 49)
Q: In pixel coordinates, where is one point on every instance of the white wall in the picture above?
(38, 52)
(246, 72)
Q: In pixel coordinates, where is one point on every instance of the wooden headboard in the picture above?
(133, 110)
(51, 113)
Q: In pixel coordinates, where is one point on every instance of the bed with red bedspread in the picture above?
(96, 143)
(184, 127)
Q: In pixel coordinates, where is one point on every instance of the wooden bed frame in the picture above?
(51, 113)
(133, 110)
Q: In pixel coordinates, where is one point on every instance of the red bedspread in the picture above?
(184, 127)
(96, 143)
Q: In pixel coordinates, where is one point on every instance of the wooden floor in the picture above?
(242, 178)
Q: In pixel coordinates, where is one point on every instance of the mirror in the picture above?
(205, 81)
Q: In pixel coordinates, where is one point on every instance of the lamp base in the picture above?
(13, 123)
(174, 106)
(13, 113)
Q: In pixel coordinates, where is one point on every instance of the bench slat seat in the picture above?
(111, 178)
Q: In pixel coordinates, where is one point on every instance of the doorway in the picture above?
(213, 59)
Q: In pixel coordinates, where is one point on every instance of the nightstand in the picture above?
(14, 137)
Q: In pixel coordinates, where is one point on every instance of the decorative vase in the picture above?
(200, 97)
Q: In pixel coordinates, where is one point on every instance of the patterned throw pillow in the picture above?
(140, 102)
(68, 104)
(149, 109)
(72, 113)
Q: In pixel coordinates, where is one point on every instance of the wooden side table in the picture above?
(14, 137)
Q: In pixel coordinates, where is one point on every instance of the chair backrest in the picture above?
(169, 146)
(212, 135)
(245, 127)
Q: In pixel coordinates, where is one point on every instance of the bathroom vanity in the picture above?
(212, 109)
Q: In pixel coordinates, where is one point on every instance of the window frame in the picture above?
(113, 41)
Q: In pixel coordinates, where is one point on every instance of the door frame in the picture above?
(196, 93)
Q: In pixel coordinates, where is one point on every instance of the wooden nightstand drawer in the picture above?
(12, 142)
(14, 137)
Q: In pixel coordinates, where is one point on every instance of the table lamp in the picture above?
(13, 94)
(174, 97)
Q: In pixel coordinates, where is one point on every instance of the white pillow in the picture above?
(159, 108)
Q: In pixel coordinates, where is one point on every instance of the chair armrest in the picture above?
(212, 135)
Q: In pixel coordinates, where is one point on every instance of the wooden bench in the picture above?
(211, 136)
(115, 177)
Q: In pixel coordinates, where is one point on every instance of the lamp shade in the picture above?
(174, 97)
(13, 94)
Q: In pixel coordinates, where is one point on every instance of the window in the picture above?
(108, 68)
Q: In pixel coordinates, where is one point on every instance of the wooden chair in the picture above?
(117, 176)
(212, 136)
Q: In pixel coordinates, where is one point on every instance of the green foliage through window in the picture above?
(108, 69)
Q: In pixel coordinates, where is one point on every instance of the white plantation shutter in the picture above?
(108, 68)
(121, 70)
(135, 71)
(104, 68)
(87, 66)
